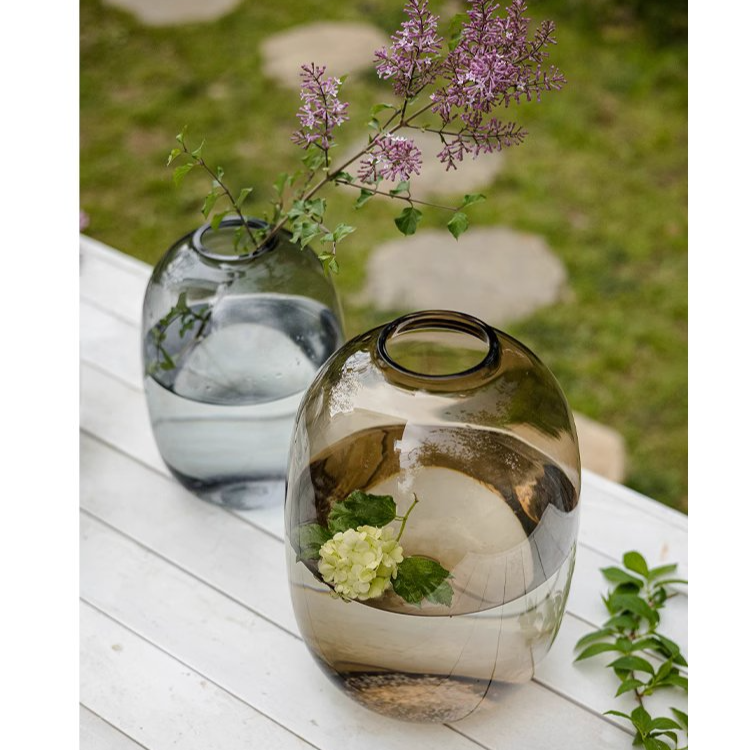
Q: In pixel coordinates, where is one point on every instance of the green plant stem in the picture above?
(399, 197)
(405, 517)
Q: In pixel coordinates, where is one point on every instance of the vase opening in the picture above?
(439, 347)
(221, 245)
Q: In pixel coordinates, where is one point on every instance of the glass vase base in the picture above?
(421, 698)
(238, 493)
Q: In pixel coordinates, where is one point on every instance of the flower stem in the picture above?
(405, 517)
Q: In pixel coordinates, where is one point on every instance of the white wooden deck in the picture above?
(188, 639)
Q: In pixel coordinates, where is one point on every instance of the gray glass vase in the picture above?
(231, 339)
(457, 439)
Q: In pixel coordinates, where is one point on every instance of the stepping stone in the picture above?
(470, 176)
(174, 12)
(344, 47)
(602, 449)
(494, 273)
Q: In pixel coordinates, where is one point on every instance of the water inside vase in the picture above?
(223, 396)
(497, 513)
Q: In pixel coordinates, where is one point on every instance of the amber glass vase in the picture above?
(440, 407)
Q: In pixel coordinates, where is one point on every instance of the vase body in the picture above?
(440, 407)
(230, 342)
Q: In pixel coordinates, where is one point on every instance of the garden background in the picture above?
(601, 177)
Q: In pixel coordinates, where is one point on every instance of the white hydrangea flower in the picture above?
(360, 563)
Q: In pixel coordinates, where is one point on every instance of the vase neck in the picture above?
(220, 244)
(438, 350)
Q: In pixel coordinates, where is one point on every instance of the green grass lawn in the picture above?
(602, 176)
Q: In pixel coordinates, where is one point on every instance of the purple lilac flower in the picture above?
(412, 60)
(392, 157)
(492, 65)
(321, 110)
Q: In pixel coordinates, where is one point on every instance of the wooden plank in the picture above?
(227, 553)
(110, 344)
(161, 703)
(112, 287)
(613, 528)
(270, 669)
(97, 734)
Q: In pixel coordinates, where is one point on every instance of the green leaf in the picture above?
(662, 570)
(455, 29)
(180, 172)
(402, 187)
(471, 198)
(344, 176)
(630, 684)
(341, 231)
(672, 580)
(663, 722)
(442, 594)
(650, 743)
(597, 648)
(243, 193)
(458, 224)
(374, 124)
(622, 622)
(215, 222)
(363, 198)
(595, 635)
(197, 153)
(209, 202)
(665, 669)
(616, 575)
(361, 509)
(677, 680)
(641, 720)
(419, 578)
(632, 664)
(407, 221)
(635, 604)
(316, 208)
(681, 716)
(313, 160)
(377, 108)
(634, 561)
(616, 713)
(311, 537)
(180, 135)
(280, 182)
(175, 152)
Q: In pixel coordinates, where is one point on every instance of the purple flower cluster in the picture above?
(321, 110)
(391, 158)
(412, 61)
(492, 65)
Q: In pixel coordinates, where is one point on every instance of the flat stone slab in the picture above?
(470, 176)
(601, 448)
(174, 12)
(494, 273)
(344, 47)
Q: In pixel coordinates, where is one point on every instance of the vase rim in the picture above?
(230, 222)
(444, 320)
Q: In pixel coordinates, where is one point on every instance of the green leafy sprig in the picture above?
(646, 661)
(417, 578)
(188, 317)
